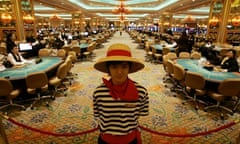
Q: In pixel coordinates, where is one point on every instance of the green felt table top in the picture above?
(192, 65)
(160, 47)
(47, 64)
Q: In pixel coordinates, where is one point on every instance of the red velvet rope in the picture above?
(144, 128)
(190, 135)
(50, 133)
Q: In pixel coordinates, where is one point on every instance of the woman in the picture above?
(10, 42)
(229, 62)
(15, 58)
(118, 102)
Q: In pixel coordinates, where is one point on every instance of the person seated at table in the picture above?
(15, 58)
(183, 44)
(171, 43)
(10, 41)
(229, 62)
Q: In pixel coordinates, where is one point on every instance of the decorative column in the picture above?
(222, 32)
(24, 18)
(76, 20)
(222, 27)
(166, 21)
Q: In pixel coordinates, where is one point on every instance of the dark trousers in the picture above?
(101, 141)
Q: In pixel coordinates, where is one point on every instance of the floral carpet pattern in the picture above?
(74, 113)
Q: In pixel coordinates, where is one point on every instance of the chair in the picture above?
(66, 48)
(195, 86)
(172, 55)
(169, 71)
(195, 55)
(184, 55)
(87, 53)
(70, 75)
(165, 50)
(37, 83)
(179, 78)
(9, 93)
(61, 53)
(227, 88)
(3, 50)
(56, 81)
(223, 52)
(73, 55)
(149, 53)
(77, 50)
(44, 52)
(156, 56)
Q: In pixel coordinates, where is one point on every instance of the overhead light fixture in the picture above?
(214, 21)
(121, 10)
(189, 19)
(6, 18)
(28, 19)
(236, 21)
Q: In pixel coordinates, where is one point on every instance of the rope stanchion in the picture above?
(50, 133)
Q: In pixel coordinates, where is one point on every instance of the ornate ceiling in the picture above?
(137, 9)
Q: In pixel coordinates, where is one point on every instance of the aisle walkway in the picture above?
(74, 113)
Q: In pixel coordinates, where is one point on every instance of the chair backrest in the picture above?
(66, 48)
(90, 48)
(229, 87)
(5, 87)
(178, 72)
(3, 50)
(61, 53)
(171, 55)
(62, 71)
(147, 48)
(73, 54)
(165, 50)
(68, 62)
(44, 52)
(169, 66)
(184, 55)
(194, 80)
(154, 50)
(36, 80)
(76, 49)
(196, 55)
(83, 41)
(223, 52)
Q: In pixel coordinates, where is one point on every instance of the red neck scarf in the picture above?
(126, 91)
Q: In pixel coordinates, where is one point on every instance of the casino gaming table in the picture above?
(83, 47)
(159, 47)
(47, 65)
(212, 76)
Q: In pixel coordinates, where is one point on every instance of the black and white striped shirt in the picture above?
(118, 117)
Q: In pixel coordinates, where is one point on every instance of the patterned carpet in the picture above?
(74, 113)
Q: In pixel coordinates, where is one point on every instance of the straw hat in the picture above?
(118, 52)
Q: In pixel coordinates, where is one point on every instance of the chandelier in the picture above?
(189, 19)
(28, 19)
(236, 21)
(214, 21)
(121, 10)
(6, 18)
(55, 18)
